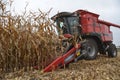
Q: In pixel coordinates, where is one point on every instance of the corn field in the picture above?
(26, 40)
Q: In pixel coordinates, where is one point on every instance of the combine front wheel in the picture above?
(91, 49)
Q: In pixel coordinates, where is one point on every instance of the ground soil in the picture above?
(103, 68)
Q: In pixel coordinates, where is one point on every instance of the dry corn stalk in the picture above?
(26, 40)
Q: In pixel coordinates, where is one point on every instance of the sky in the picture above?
(109, 10)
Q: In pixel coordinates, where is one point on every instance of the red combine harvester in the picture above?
(92, 36)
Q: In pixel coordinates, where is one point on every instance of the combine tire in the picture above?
(91, 49)
(112, 51)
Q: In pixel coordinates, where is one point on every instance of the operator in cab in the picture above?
(63, 30)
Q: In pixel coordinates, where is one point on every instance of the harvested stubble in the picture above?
(26, 40)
